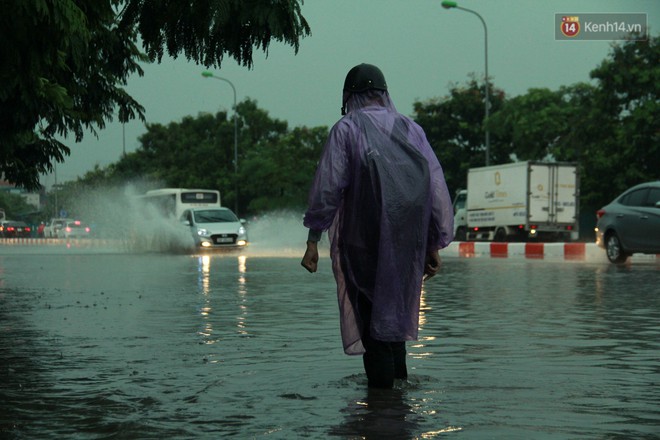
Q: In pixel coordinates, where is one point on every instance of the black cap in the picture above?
(364, 77)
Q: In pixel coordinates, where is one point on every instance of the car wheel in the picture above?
(500, 235)
(461, 234)
(615, 252)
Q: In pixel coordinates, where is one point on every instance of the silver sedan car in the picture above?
(631, 223)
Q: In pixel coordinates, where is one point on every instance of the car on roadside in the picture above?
(630, 223)
(15, 229)
(74, 229)
(215, 228)
(53, 227)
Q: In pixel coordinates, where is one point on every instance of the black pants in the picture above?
(383, 361)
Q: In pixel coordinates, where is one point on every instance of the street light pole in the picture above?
(211, 75)
(54, 188)
(454, 5)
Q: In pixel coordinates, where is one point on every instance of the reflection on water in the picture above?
(116, 345)
(388, 414)
(380, 414)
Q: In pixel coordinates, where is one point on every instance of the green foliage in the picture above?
(275, 165)
(454, 128)
(59, 74)
(61, 67)
(205, 30)
(63, 63)
(532, 125)
(15, 206)
(610, 128)
(278, 175)
(626, 143)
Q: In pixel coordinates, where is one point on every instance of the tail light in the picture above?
(600, 213)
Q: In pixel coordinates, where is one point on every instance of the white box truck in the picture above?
(519, 202)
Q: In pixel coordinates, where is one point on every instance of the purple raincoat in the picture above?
(380, 192)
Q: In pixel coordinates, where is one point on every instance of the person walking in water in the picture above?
(380, 192)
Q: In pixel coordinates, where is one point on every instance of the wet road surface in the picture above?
(119, 345)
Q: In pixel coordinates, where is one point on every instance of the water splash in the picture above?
(118, 214)
(278, 233)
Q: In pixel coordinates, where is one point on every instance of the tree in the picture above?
(60, 63)
(611, 128)
(14, 206)
(275, 165)
(454, 128)
(533, 126)
(205, 31)
(278, 175)
(63, 63)
(614, 125)
(628, 94)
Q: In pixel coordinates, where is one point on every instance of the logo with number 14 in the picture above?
(570, 26)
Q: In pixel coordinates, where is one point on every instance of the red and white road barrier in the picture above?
(554, 251)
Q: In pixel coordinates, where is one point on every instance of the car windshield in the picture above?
(214, 216)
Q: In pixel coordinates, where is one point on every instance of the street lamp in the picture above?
(454, 5)
(211, 75)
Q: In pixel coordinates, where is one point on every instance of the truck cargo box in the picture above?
(521, 200)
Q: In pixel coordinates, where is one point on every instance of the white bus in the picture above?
(173, 201)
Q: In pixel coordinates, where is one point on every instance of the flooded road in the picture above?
(101, 344)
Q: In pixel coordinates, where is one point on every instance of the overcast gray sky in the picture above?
(421, 48)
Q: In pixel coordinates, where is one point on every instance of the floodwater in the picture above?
(104, 344)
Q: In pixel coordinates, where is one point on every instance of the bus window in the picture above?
(171, 202)
(199, 197)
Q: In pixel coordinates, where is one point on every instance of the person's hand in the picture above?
(311, 258)
(432, 264)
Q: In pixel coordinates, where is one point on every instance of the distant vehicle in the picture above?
(631, 223)
(172, 202)
(74, 229)
(215, 227)
(519, 201)
(52, 228)
(15, 229)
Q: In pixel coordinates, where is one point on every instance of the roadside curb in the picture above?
(551, 251)
(589, 252)
(77, 242)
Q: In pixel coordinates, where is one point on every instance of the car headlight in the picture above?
(203, 232)
(241, 231)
